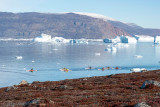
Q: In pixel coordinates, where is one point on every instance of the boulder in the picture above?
(66, 87)
(10, 88)
(142, 104)
(150, 82)
(23, 82)
(36, 103)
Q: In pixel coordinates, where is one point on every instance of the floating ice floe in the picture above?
(111, 49)
(127, 39)
(144, 38)
(121, 45)
(156, 39)
(19, 57)
(97, 54)
(138, 56)
(55, 49)
(83, 41)
(13, 39)
(138, 70)
(43, 38)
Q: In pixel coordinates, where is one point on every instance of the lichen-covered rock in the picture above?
(37, 102)
(66, 87)
(10, 88)
(150, 82)
(23, 82)
(142, 104)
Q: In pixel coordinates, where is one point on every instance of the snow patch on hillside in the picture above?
(94, 15)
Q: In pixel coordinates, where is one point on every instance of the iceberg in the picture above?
(156, 39)
(48, 38)
(83, 41)
(144, 38)
(115, 40)
(106, 40)
(59, 40)
(43, 38)
(127, 39)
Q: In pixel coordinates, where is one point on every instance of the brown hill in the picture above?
(67, 25)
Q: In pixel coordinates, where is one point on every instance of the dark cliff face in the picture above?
(29, 25)
(69, 25)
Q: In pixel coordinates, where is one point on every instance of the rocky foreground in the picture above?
(130, 90)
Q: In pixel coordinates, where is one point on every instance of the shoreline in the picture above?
(114, 90)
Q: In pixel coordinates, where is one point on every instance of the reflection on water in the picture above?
(48, 58)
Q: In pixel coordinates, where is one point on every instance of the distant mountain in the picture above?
(134, 29)
(68, 25)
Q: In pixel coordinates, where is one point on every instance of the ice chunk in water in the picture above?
(157, 39)
(97, 54)
(127, 39)
(19, 57)
(138, 56)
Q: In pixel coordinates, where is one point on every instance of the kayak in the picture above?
(30, 70)
(64, 69)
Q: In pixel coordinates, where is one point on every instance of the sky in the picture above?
(145, 13)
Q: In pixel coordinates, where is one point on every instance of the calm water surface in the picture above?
(48, 58)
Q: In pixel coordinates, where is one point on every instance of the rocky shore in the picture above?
(130, 90)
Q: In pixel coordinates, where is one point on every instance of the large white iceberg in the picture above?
(47, 38)
(144, 38)
(157, 39)
(43, 38)
(127, 39)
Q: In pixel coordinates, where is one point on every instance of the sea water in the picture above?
(49, 58)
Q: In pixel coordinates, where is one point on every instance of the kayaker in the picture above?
(116, 68)
(31, 70)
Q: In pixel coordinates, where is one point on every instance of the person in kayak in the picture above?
(107, 67)
(116, 68)
(31, 70)
(64, 69)
(103, 69)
